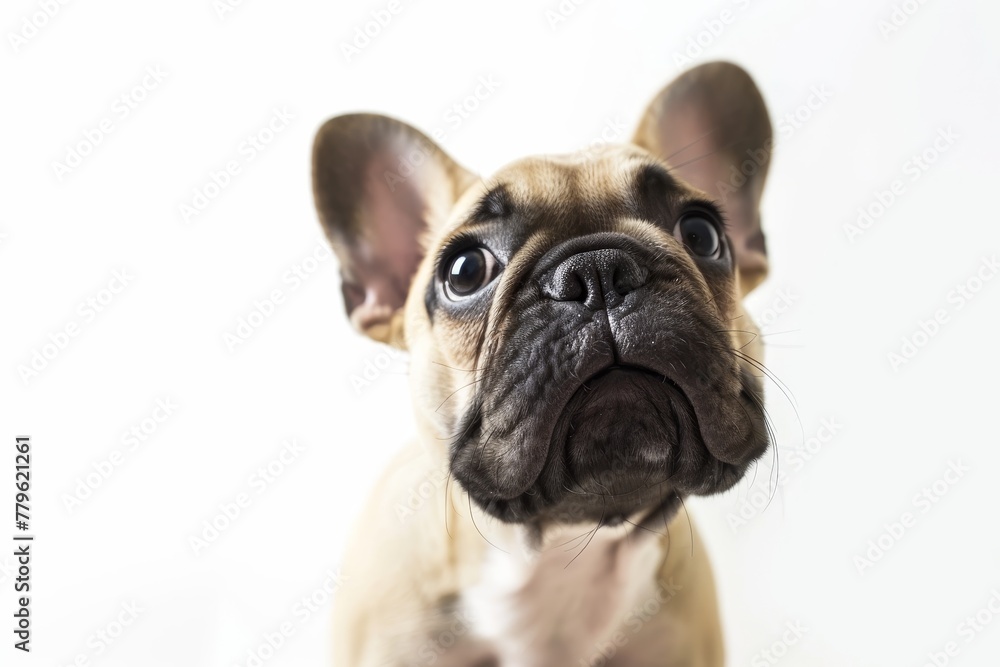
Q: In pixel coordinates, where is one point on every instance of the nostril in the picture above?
(626, 280)
(628, 276)
(596, 278)
(577, 287)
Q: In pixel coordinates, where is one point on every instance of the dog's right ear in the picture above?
(712, 127)
(380, 186)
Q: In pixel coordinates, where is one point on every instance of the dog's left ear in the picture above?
(711, 126)
(380, 186)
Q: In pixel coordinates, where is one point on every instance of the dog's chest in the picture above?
(556, 606)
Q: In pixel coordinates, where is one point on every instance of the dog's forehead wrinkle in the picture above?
(555, 182)
(494, 204)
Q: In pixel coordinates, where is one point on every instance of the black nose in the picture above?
(596, 278)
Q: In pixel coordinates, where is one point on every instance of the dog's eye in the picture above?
(468, 272)
(699, 234)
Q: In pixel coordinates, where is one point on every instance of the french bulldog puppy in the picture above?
(580, 362)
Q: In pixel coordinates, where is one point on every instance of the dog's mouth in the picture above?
(626, 444)
(618, 442)
(601, 417)
(623, 369)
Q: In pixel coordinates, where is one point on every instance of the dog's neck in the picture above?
(547, 595)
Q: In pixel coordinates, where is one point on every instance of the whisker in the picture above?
(572, 539)
(771, 376)
(463, 370)
(481, 447)
(690, 525)
(684, 148)
(473, 517)
(719, 149)
(772, 436)
(642, 527)
(447, 497)
(594, 532)
(448, 398)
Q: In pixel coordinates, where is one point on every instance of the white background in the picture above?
(162, 337)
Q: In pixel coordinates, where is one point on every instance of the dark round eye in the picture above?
(469, 271)
(699, 234)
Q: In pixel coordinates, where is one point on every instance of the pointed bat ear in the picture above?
(712, 127)
(380, 186)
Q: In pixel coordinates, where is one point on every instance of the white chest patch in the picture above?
(555, 605)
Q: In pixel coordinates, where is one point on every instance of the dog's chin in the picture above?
(625, 446)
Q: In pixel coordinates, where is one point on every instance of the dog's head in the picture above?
(577, 341)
